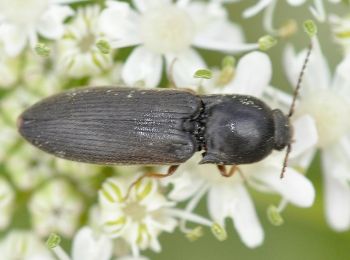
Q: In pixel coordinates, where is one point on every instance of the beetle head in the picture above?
(283, 130)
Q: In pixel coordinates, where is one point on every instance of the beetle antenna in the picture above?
(292, 107)
(300, 79)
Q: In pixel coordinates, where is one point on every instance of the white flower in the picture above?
(8, 138)
(237, 80)
(163, 28)
(25, 165)
(229, 197)
(7, 200)
(317, 9)
(56, 207)
(142, 216)
(89, 245)
(78, 53)
(28, 167)
(23, 245)
(327, 100)
(39, 76)
(138, 219)
(22, 21)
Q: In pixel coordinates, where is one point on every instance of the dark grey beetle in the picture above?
(115, 125)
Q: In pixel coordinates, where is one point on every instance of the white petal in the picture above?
(337, 197)
(142, 65)
(290, 63)
(295, 2)
(51, 23)
(185, 184)
(222, 35)
(143, 5)
(234, 201)
(246, 221)
(89, 247)
(221, 199)
(163, 222)
(120, 24)
(317, 73)
(305, 135)
(294, 187)
(14, 39)
(185, 65)
(345, 147)
(259, 6)
(254, 63)
(336, 161)
(318, 10)
(341, 80)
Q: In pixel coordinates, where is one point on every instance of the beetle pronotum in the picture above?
(116, 125)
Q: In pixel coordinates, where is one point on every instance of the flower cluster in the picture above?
(105, 212)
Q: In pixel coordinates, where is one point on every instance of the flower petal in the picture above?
(255, 9)
(234, 201)
(317, 73)
(120, 24)
(142, 66)
(221, 199)
(337, 196)
(295, 2)
(341, 79)
(305, 135)
(294, 187)
(143, 5)
(184, 67)
(222, 35)
(88, 246)
(51, 23)
(14, 39)
(257, 64)
(246, 221)
(185, 184)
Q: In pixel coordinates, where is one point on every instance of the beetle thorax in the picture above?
(167, 29)
(239, 130)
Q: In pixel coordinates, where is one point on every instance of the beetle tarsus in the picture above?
(223, 171)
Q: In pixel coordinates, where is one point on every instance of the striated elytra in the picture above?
(118, 125)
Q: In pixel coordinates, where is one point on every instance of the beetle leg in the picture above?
(171, 171)
(231, 172)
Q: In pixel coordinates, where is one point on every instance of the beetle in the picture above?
(119, 125)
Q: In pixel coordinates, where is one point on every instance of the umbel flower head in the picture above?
(168, 29)
(141, 214)
(78, 52)
(326, 99)
(56, 207)
(22, 21)
(139, 218)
